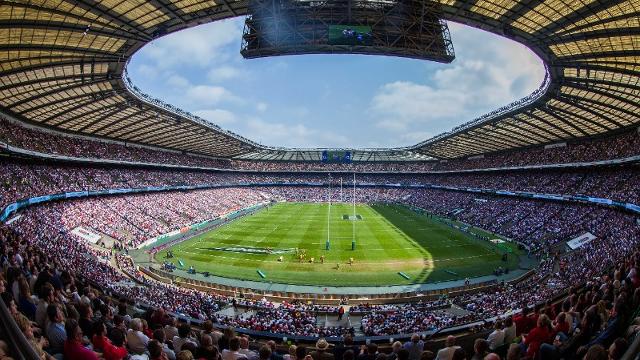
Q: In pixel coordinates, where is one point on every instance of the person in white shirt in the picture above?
(171, 330)
(450, 348)
(136, 340)
(233, 352)
(244, 349)
(48, 297)
(496, 338)
(183, 337)
(509, 330)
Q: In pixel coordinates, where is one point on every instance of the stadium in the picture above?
(131, 228)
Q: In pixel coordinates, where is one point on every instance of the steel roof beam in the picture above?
(49, 25)
(58, 101)
(604, 105)
(125, 108)
(51, 79)
(102, 117)
(141, 124)
(576, 104)
(584, 81)
(592, 125)
(563, 121)
(111, 16)
(545, 121)
(580, 14)
(522, 131)
(54, 91)
(604, 94)
(78, 116)
(573, 58)
(500, 137)
(532, 124)
(79, 61)
(163, 135)
(132, 126)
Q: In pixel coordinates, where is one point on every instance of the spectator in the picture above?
(509, 330)
(56, 332)
(496, 338)
(207, 350)
(159, 336)
(540, 334)
(244, 348)
(118, 351)
(233, 352)
(480, 349)
(448, 351)
(415, 347)
(265, 352)
(321, 351)
(184, 332)
(73, 348)
(137, 341)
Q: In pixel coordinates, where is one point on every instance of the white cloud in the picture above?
(209, 95)
(222, 73)
(293, 135)
(177, 81)
(487, 74)
(217, 116)
(147, 70)
(262, 107)
(199, 46)
(189, 69)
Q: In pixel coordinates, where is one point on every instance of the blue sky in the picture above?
(352, 101)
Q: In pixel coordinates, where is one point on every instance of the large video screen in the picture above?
(336, 156)
(350, 35)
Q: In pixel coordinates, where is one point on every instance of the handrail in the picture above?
(20, 345)
(633, 352)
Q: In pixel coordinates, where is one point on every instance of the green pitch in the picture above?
(389, 239)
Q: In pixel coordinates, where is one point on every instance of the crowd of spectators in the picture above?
(40, 253)
(58, 144)
(31, 138)
(20, 180)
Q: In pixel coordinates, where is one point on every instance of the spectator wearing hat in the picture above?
(321, 353)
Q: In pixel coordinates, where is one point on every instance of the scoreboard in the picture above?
(335, 156)
(405, 28)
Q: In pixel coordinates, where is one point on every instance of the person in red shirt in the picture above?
(523, 322)
(118, 349)
(561, 325)
(100, 340)
(540, 334)
(73, 348)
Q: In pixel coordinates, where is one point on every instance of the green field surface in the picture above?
(389, 239)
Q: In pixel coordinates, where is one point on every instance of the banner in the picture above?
(580, 241)
(86, 234)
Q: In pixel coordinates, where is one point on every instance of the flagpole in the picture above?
(327, 245)
(353, 238)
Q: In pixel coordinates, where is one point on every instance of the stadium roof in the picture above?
(62, 65)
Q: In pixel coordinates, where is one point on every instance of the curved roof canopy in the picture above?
(62, 64)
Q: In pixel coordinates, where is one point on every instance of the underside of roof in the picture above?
(62, 64)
